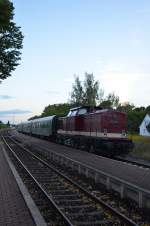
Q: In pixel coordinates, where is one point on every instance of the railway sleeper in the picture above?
(69, 202)
(65, 192)
(96, 223)
(88, 217)
(70, 196)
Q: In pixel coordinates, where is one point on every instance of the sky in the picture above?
(64, 38)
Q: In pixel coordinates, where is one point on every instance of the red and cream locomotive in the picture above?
(95, 130)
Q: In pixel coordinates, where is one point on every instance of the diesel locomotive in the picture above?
(101, 131)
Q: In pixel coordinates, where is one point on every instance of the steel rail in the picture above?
(98, 200)
(67, 221)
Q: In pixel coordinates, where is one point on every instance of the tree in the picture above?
(10, 40)
(77, 94)
(148, 109)
(6, 12)
(56, 109)
(111, 101)
(34, 117)
(91, 88)
(126, 107)
(134, 114)
(106, 104)
(87, 93)
(8, 123)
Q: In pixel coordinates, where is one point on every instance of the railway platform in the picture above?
(14, 199)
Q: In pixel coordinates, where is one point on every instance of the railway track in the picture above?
(140, 163)
(66, 201)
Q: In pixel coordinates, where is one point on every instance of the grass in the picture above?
(141, 146)
(2, 126)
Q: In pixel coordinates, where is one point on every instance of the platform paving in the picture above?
(13, 209)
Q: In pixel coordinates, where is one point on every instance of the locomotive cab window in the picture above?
(82, 111)
(72, 113)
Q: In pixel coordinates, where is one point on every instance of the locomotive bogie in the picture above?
(106, 146)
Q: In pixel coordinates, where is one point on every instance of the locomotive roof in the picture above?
(87, 107)
(108, 110)
(98, 109)
(90, 110)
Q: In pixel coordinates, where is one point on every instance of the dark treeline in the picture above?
(135, 115)
(54, 109)
(88, 92)
(4, 125)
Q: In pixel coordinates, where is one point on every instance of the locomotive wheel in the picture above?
(76, 144)
(72, 143)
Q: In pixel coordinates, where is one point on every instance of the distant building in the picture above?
(144, 131)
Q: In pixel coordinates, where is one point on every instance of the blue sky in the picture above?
(63, 38)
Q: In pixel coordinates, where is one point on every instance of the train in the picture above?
(92, 129)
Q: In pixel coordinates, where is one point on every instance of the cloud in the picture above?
(14, 112)
(5, 97)
(126, 79)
